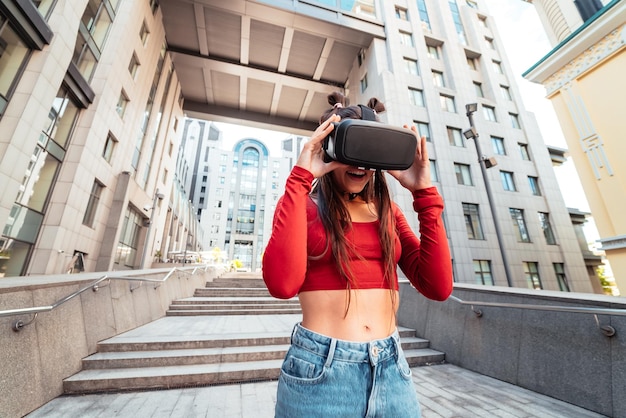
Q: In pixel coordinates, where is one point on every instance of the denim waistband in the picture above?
(373, 351)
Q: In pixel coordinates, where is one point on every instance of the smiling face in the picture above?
(350, 179)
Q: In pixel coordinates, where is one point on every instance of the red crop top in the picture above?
(298, 233)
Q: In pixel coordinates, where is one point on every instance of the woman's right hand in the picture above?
(312, 156)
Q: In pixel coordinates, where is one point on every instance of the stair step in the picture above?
(234, 291)
(239, 306)
(185, 375)
(138, 361)
(424, 357)
(272, 311)
(412, 343)
(141, 378)
(228, 300)
(159, 358)
(181, 343)
(230, 283)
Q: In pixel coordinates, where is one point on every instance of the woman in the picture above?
(336, 245)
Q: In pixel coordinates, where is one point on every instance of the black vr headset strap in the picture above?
(367, 113)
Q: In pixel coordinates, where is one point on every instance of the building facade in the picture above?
(235, 190)
(96, 91)
(583, 77)
(90, 111)
(438, 57)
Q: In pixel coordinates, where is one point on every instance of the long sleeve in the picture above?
(285, 257)
(426, 261)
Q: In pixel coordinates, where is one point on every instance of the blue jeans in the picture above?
(326, 377)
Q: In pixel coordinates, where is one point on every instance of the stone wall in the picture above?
(35, 360)
(564, 355)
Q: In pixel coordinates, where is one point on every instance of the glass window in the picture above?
(561, 278)
(143, 33)
(433, 52)
(423, 11)
(531, 272)
(60, 123)
(447, 103)
(13, 57)
(14, 257)
(482, 21)
(44, 7)
(92, 34)
(519, 224)
(490, 44)
(97, 21)
(523, 150)
(109, 146)
(438, 79)
(411, 66)
(406, 39)
(546, 226)
(22, 224)
(472, 221)
(472, 63)
(497, 66)
(482, 272)
(361, 7)
(434, 174)
(508, 181)
(514, 121)
(423, 129)
(401, 13)
(133, 66)
(126, 252)
(455, 137)
(478, 88)
(416, 97)
(458, 23)
(463, 174)
(506, 93)
(122, 102)
(498, 145)
(363, 83)
(489, 113)
(92, 204)
(533, 182)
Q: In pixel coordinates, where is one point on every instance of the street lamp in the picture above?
(157, 196)
(485, 163)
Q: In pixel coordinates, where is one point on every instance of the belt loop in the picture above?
(293, 332)
(331, 352)
(398, 344)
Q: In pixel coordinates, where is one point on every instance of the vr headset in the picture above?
(365, 143)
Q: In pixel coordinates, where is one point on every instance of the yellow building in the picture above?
(584, 77)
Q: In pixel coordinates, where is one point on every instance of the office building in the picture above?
(90, 112)
(583, 78)
(267, 64)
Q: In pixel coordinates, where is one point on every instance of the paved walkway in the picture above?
(444, 390)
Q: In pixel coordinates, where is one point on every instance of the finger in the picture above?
(324, 129)
(424, 148)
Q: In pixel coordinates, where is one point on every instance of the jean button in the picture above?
(375, 351)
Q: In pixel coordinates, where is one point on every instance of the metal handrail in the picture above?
(18, 325)
(608, 330)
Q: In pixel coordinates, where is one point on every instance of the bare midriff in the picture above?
(358, 315)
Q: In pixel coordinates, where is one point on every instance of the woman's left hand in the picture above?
(417, 176)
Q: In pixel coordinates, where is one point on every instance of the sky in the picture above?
(513, 18)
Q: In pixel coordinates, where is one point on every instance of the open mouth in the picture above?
(356, 174)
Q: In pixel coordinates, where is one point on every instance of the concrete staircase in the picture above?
(159, 360)
(234, 296)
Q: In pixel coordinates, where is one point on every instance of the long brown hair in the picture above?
(333, 211)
